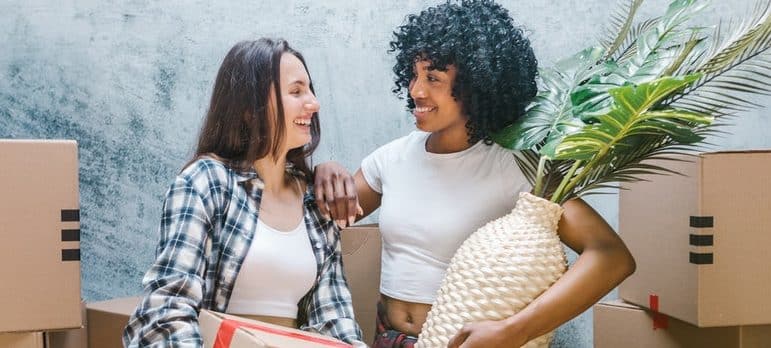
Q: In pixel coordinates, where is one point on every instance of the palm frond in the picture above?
(553, 171)
(739, 64)
(620, 130)
(633, 166)
(527, 161)
(752, 38)
(628, 48)
(621, 25)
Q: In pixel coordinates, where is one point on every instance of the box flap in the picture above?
(723, 152)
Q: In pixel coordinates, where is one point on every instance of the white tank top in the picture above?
(278, 271)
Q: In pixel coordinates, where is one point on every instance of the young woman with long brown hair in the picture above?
(240, 231)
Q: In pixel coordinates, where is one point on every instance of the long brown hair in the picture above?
(238, 127)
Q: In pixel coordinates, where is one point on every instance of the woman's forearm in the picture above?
(596, 272)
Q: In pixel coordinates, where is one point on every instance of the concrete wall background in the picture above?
(130, 80)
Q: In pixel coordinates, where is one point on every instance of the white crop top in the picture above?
(278, 271)
(431, 203)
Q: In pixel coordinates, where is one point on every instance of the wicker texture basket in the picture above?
(498, 271)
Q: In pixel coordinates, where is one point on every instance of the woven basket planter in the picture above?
(499, 270)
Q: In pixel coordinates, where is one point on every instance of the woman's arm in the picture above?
(173, 285)
(603, 263)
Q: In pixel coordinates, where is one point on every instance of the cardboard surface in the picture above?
(714, 273)
(619, 324)
(21, 340)
(107, 319)
(40, 230)
(221, 330)
(74, 338)
(361, 260)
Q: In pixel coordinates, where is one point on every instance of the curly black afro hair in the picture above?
(495, 63)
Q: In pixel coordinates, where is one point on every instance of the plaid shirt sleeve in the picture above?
(168, 314)
(329, 305)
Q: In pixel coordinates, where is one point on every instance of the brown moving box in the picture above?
(22, 340)
(701, 240)
(229, 331)
(40, 231)
(106, 320)
(361, 259)
(75, 338)
(619, 324)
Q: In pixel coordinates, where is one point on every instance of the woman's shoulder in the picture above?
(205, 166)
(505, 160)
(207, 171)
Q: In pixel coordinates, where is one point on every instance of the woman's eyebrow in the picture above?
(298, 82)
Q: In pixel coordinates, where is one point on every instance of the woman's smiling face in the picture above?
(436, 109)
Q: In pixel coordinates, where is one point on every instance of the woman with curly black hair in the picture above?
(469, 72)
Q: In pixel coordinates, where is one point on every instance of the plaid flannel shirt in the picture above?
(208, 223)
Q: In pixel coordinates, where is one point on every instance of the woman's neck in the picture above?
(448, 141)
(272, 172)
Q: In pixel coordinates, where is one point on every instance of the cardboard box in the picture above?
(75, 338)
(22, 340)
(619, 324)
(221, 330)
(701, 240)
(107, 319)
(40, 231)
(361, 259)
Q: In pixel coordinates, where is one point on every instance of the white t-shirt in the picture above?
(431, 203)
(279, 269)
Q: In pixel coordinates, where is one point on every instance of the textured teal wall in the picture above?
(130, 81)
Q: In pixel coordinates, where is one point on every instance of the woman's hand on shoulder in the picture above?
(335, 192)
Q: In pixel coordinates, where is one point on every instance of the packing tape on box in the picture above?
(660, 321)
(228, 328)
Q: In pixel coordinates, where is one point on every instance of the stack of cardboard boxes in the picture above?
(40, 248)
(701, 243)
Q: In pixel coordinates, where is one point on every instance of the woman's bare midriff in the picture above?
(407, 317)
(287, 322)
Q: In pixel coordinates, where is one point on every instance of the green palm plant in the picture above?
(648, 91)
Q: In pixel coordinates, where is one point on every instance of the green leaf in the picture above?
(630, 115)
(552, 116)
